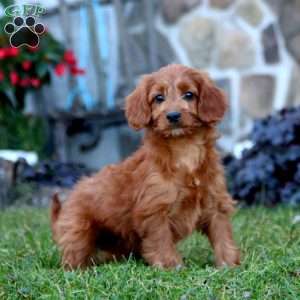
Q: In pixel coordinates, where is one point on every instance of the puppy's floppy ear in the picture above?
(212, 103)
(137, 108)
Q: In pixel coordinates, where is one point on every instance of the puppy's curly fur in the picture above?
(172, 185)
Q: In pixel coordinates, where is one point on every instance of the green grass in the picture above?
(29, 264)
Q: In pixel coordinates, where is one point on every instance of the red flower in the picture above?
(60, 69)
(1, 75)
(35, 82)
(77, 71)
(14, 77)
(12, 52)
(25, 82)
(70, 58)
(2, 53)
(26, 65)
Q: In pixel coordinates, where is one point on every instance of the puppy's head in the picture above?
(175, 101)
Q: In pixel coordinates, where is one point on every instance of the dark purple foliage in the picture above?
(269, 172)
(52, 173)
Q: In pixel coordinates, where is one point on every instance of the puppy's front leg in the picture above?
(219, 232)
(158, 247)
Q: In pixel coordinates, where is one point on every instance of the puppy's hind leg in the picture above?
(76, 241)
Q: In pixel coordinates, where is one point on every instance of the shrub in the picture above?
(23, 70)
(18, 131)
(269, 172)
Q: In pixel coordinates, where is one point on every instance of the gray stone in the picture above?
(235, 49)
(270, 45)
(198, 37)
(288, 13)
(250, 11)
(172, 10)
(257, 95)
(290, 17)
(294, 88)
(225, 85)
(289, 20)
(275, 5)
(293, 45)
(221, 4)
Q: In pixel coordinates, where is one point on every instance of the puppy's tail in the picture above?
(55, 209)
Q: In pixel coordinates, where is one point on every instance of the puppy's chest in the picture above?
(187, 161)
(187, 158)
(185, 210)
(184, 213)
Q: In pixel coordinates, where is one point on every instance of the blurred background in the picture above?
(61, 113)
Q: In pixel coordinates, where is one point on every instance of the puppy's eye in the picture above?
(188, 96)
(159, 98)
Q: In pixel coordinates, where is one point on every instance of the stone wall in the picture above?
(250, 47)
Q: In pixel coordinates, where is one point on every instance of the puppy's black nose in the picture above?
(173, 116)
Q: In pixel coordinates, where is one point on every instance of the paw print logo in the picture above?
(24, 32)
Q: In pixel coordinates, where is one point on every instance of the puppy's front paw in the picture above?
(229, 259)
(172, 262)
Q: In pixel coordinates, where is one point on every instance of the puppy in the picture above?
(172, 185)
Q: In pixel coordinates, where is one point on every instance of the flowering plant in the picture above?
(25, 68)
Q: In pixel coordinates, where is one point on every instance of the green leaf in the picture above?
(41, 69)
(55, 57)
(6, 3)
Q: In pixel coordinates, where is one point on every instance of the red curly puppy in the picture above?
(172, 185)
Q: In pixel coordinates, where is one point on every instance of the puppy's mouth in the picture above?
(177, 131)
(176, 126)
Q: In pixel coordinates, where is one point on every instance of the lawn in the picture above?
(270, 243)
